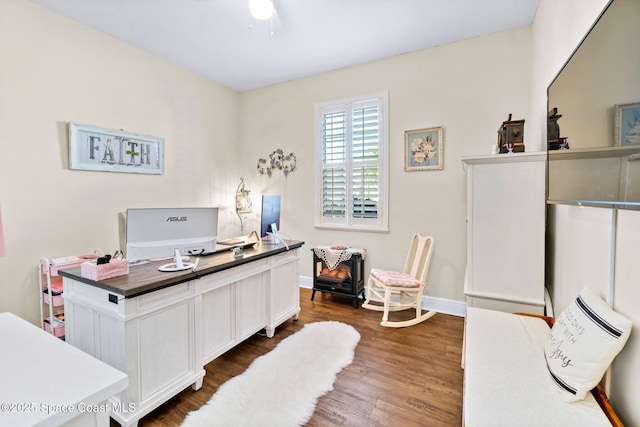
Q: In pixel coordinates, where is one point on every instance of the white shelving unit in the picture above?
(51, 292)
(51, 298)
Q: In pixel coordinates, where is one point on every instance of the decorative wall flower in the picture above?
(277, 160)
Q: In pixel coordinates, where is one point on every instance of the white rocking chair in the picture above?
(409, 284)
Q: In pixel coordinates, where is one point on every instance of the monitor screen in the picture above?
(270, 213)
(158, 232)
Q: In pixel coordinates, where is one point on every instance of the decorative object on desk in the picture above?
(99, 149)
(238, 252)
(243, 204)
(94, 271)
(554, 141)
(277, 160)
(264, 395)
(423, 149)
(627, 124)
(511, 136)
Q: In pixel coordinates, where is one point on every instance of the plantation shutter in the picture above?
(352, 188)
(334, 172)
(366, 140)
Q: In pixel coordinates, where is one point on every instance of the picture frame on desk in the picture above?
(626, 129)
(99, 149)
(423, 149)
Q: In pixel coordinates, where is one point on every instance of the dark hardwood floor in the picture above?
(406, 376)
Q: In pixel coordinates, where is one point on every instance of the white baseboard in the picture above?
(306, 282)
(446, 306)
(440, 305)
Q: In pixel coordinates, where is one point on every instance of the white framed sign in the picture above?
(99, 149)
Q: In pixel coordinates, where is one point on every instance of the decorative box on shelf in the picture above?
(56, 298)
(339, 270)
(94, 271)
(58, 325)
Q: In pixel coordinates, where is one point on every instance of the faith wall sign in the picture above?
(99, 149)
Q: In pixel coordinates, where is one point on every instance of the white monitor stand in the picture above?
(178, 264)
(276, 237)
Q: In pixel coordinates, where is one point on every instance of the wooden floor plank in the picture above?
(405, 376)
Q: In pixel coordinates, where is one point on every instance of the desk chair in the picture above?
(408, 284)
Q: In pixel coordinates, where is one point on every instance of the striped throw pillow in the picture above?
(583, 342)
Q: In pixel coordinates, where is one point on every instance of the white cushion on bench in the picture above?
(506, 379)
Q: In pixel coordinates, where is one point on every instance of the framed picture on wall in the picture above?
(423, 149)
(627, 124)
(99, 149)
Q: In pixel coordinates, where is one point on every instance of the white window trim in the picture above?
(381, 224)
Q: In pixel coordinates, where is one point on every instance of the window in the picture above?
(351, 142)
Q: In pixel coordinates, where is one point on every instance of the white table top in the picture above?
(45, 381)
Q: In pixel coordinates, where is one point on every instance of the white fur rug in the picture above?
(282, 387)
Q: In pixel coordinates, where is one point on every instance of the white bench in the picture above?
(506, 380)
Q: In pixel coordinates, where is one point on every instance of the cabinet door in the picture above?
(285, 292)
(250, 305)
(217, 322)
(166, 347)
(506, 228)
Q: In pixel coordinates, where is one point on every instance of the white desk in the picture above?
(47, 382)
(162, 328)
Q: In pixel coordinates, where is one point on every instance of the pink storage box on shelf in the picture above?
(57, 299)
(93, 271)
(58, 332)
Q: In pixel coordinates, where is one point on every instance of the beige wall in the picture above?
(469, 88)
(55, 70)
(52, 71)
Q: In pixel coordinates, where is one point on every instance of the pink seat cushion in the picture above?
(394, 278)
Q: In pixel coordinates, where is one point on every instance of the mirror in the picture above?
(603, 73)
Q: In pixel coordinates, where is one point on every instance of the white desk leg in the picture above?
(197, 385)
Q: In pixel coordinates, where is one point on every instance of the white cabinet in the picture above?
(506, 232)
(152, 338)
(163, 338)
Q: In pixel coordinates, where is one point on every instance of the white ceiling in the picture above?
(219, 39)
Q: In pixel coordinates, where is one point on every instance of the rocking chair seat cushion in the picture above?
(395, 278)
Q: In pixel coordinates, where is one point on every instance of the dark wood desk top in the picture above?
(145, 278)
